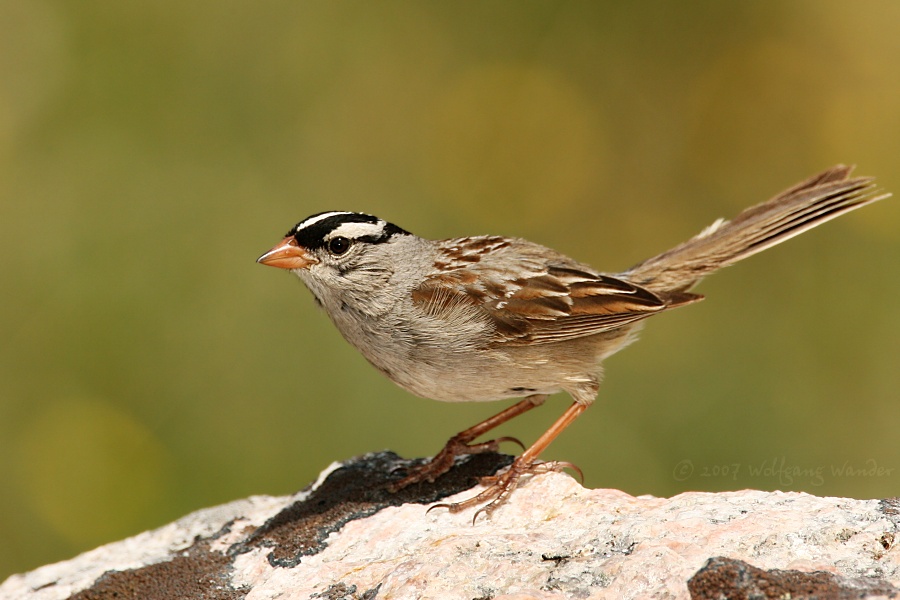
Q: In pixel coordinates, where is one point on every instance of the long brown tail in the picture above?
(804, 206)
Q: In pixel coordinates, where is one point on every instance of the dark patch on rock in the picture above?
(356, 490)
(197, 573)
(723, 577)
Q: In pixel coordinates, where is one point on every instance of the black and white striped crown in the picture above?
(315, 231)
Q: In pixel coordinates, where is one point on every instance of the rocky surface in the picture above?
(347, 537)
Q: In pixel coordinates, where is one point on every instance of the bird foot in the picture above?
(501, 486)
(443, 460)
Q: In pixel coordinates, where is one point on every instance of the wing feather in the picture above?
(554, 300)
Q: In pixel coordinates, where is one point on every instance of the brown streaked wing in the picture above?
(554, 305)
(601, 304)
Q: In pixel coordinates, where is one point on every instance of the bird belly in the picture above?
(500, 373)
(456, 368)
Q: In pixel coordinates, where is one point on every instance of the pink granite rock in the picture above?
(346, 537)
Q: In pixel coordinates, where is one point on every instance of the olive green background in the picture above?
(149, 152)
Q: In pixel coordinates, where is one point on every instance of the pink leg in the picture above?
(460, 443)
(503, 485)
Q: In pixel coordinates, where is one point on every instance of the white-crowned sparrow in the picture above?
(488, 317)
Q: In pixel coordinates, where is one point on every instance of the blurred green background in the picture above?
(149, 152)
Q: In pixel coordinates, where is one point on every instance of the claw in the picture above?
(442, 505)
(573, 467)
(499, 441)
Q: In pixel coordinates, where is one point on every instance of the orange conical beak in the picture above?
(287, 255)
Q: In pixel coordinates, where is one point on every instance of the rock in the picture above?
(728, 578)
(346, 537)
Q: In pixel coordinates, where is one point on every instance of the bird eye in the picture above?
(339, 245)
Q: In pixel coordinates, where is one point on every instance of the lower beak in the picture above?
(287, 255)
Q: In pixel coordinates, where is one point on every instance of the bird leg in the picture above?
(461, 444)
(501, 486)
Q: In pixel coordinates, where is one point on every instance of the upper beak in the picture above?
(287, 255)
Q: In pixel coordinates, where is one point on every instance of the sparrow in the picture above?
(484, 318)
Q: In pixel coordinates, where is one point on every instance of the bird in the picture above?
(490, 317)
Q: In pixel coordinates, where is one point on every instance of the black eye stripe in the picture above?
(313, 236)
(373, 239)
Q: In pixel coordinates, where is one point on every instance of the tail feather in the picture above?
(810, 203)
